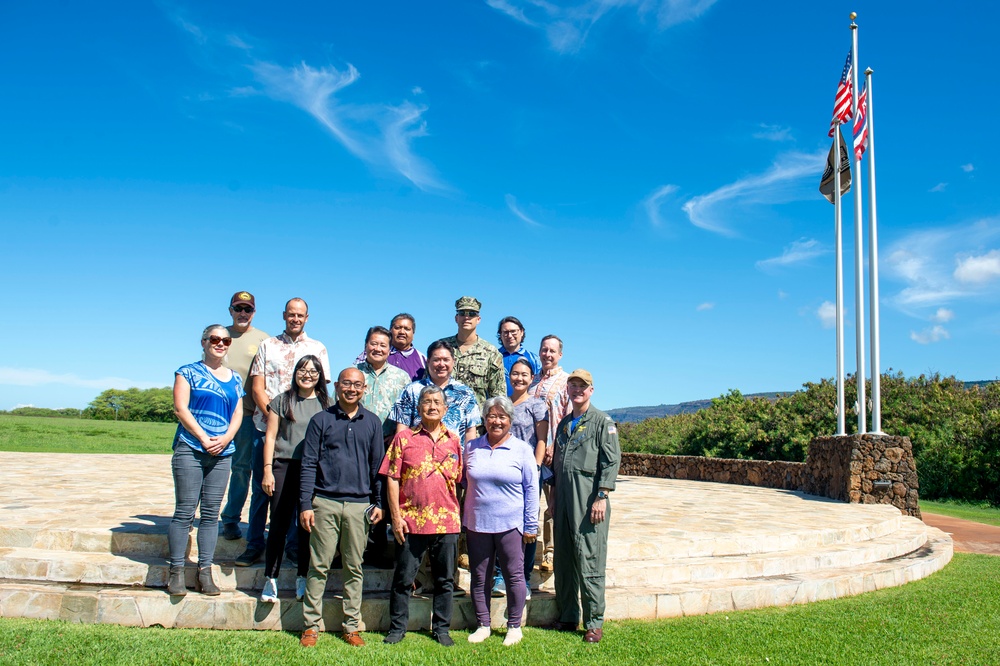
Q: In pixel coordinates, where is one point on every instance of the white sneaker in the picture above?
(479, 635)
(300, 588)
(513, 636)
(269, 594)
(527, 594)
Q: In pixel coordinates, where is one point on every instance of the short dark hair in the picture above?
(440, 344)
(525, 362)
(509, 320)
(300, 300)
(551, 337)
(404, 315)
(380, 330)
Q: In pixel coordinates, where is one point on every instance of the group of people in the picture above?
(458, 443)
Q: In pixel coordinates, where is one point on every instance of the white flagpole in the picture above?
(839, 254)
(873, 266)
(859, 258)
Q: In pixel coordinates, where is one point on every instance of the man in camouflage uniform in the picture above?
(478, 364)
(585, 464)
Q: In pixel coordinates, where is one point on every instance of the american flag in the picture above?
(842, 105)
(861, 125)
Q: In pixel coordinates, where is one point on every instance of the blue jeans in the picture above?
(199, 478)
(239, 481)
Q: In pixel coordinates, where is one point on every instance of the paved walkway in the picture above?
(969, 536)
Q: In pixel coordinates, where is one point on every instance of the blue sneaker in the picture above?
(499, 588)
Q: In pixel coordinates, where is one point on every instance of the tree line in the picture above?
(955, 430)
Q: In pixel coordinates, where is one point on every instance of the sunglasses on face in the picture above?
(215, 339)
(242, 308)
(467, 313)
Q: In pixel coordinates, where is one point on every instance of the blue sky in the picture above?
(639, 177)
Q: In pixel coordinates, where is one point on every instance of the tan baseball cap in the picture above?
(582, 375)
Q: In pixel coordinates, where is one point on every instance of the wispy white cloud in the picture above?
(653, 202)
(379, 134)
(417, 90)
(37, 377)
(773, 133)
(702, 307)
(942, 316)
(781, 183)
(827, 314)
(782, 295)
(567, 27)
(929, 335)
(968, 168)
(940, 187)
(513, 207)
(937, 266)
(798, 252)
(979, 269)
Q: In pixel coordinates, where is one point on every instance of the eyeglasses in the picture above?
(513, 331)
(302, 372)
(215, 339)
(242, 308)
(345, 384)
(467, 313)
(497, 417)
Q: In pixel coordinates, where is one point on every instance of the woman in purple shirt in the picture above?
(501, 514)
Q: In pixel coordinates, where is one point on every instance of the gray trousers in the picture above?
(199, 478)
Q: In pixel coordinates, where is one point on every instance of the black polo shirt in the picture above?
(341, 457)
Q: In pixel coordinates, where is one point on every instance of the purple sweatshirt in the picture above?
(501, 487)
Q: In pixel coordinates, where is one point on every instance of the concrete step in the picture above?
(105, 568)
(240, 610)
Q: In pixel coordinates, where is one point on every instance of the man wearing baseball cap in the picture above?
(246, 339)
(478, 364)
(585, 465)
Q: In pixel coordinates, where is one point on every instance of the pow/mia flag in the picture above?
(826, 183)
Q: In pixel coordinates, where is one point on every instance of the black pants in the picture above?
(284, 509)
(442, 549)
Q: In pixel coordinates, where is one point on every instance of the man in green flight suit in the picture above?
(478, 364)
(585, 464)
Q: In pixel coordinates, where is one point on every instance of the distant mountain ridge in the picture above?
(636, 414)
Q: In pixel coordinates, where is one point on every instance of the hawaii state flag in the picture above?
(861, 125)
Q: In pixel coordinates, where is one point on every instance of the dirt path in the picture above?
(969, 537)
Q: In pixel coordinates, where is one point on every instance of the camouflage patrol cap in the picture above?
(468, 303)
(244, 298)
(582, 375)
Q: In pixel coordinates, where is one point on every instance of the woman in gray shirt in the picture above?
(287, 420)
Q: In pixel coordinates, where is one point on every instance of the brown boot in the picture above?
(205, 582)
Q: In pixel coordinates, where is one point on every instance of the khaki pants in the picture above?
(344, 524)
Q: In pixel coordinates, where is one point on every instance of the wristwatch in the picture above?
(602, 494)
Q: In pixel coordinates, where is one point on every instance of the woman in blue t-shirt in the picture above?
(208, 403)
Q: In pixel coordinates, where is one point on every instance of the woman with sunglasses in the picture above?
(208, 402)
(288, 418)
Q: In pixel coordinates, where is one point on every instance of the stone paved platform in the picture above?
(83, 537)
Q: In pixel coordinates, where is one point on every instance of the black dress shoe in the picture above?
(444, 638)
(394, 637)
(563, 626)
(249, 557)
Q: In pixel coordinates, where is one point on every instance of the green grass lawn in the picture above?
(980, 513)
(65, 435)
(953, 617)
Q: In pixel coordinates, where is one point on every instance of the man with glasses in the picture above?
(586, 462)
(510, 333)
(246, 340)
(339, 496)
(478, 364)
(271, 374)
